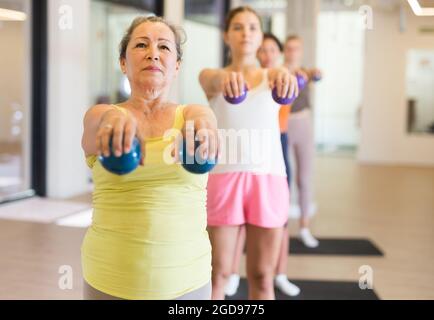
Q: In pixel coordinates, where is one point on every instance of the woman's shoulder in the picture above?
(101, 105)
(191, 107)
(98, 108)
(205, 72)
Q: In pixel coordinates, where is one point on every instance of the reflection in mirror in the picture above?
(15, 115)
(420, 91)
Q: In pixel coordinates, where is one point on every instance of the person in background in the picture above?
(252, 193)
(269, 56)
(301, 138)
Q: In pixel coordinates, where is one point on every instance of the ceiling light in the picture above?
(418, 10)
(12, 15)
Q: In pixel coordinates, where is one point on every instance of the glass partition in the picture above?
(15, 45)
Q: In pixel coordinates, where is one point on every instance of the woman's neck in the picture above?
(147, 104)
(243, 63)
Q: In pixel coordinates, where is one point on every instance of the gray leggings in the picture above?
(90, 293)
(301, 141)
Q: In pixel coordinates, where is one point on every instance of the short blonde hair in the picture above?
(178, 32)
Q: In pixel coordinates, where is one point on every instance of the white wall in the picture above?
(383, 135)
(202, 50)
(338, 96)
(98, 72)
(174, 13)
(68, 96)
(278, 26)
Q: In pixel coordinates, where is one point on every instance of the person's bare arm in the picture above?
(210, 81)
(104, 122)
(314, 73)
(91, 123)
(284, 82)
(216, 81)
(201, 121)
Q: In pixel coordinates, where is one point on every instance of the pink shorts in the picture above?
(247, 198)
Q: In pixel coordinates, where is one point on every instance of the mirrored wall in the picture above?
(15, 97)
(420, 91)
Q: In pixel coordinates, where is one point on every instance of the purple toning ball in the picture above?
(316, 78)
(301, 82)
(237, 100)
(282, 101)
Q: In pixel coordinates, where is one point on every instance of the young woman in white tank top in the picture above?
(248, 186)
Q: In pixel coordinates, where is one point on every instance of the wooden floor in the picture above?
(392, 206)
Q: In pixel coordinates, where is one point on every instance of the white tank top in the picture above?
(250, 133)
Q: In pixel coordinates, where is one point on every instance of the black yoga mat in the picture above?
(329, 246)
(317, 290)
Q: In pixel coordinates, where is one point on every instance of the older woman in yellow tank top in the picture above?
(148, 237)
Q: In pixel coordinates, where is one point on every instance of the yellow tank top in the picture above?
(148, 237)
